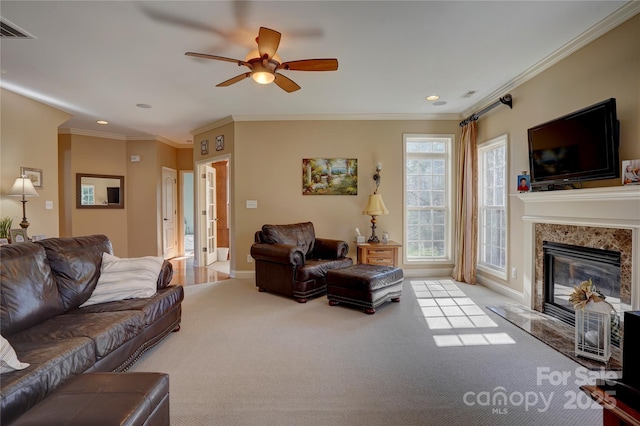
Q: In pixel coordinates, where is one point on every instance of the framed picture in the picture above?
(35, 175)
(524, 183)
(631, 172)
(18, 235)
(219, 143)
(329, 176)
(3, 241)
(204, 147)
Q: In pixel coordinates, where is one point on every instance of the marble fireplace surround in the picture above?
(606, 218)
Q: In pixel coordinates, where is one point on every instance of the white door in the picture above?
(169, 213)
(211, 216)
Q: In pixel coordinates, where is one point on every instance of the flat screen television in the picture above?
(113, 195)
(577, 147)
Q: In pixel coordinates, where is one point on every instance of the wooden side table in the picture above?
(379, 253)
(615, 412)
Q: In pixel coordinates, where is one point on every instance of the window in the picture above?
(492, 206)
(88, 195)
(427, 195)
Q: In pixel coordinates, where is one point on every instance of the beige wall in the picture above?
(104, 156)
(135, 230)
(29, 138)
(142, 198)
(268, 168)
(609, 67)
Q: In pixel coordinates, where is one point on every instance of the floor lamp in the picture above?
(23, 187)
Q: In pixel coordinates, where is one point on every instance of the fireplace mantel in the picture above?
(608, 207)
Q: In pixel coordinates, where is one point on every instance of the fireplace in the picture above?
(566, 266)
(600, 218)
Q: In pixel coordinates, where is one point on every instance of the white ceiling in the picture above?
(98, 59)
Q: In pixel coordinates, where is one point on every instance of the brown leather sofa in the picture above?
(43, 285)
(291, 261)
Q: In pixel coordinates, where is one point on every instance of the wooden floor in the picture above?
(184, 273)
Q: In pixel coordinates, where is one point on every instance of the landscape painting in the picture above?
(330, 176)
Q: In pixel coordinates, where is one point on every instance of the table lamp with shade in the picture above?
(23, 187)
(375, 206)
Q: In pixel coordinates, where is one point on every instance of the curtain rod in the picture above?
(506, 100)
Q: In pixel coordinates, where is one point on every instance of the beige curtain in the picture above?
(466, 220)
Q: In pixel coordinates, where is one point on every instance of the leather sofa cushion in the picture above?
(297, 234)
(75, 263)
(153, 307)
(29, 291)
(315, 269)
(106, 399)
(53, 363)
(108, 330)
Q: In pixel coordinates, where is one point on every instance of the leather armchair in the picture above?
(291, 261)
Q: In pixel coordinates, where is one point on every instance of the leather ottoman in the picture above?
(105, 399)
(365, 286)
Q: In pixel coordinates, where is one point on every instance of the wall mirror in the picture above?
(99, 191)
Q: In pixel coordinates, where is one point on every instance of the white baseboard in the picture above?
(428, 273)
(502, 289)
(243, 275)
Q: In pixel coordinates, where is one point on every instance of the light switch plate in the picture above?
(252, 204)
(48, 205)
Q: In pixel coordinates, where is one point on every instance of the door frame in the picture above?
(173, 252)
(198, 257)
(210, 219)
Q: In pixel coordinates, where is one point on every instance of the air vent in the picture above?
(9, 30)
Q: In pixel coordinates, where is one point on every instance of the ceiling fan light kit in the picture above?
(264, 63)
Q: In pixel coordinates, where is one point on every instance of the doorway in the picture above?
(212, 220)
(169, 213)
(187, 213)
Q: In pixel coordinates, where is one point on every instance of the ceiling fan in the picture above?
(265, 63)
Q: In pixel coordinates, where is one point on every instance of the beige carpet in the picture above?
(248, 358)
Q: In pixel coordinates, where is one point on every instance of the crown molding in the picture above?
(347, 117)
(214, 125)
(120, 137)
(91, 133)
(623, 14)
(161, 139)
(323, 117)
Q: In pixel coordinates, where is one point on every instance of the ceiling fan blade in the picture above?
(310, 65)
(286, 83)
(233, 80)
(268, 42)
(218, 58)
(189, 24)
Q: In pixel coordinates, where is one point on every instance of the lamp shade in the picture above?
(23, 187)
(375, 206)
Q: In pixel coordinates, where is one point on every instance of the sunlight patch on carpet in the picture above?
(445, 307)
(475, 339)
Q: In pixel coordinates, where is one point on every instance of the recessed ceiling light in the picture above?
(143, 106)
(433, 97)
(439, 103)
(102, 122)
